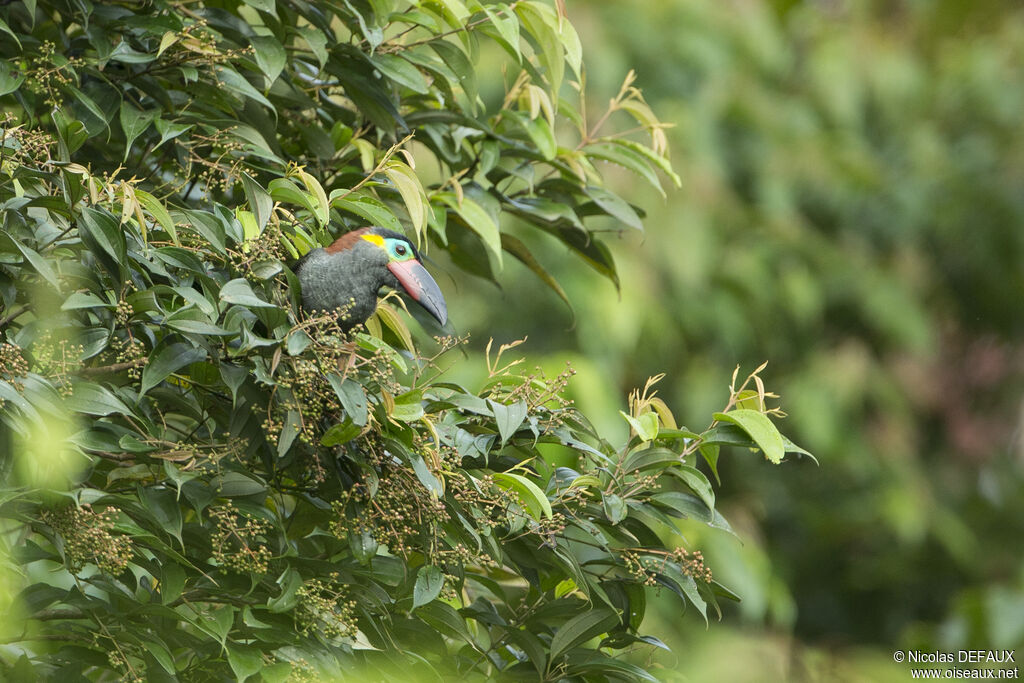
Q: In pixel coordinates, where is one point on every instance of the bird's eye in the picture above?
(400, 249)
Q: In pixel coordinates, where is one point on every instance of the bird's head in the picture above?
(389, 259)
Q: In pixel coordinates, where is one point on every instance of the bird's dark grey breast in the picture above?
(347, 279)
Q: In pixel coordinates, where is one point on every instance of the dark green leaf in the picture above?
(166, 359)
(583, 627)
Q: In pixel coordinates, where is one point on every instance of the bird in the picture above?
(350, 273)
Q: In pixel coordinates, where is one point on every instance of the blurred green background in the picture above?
(852, 211)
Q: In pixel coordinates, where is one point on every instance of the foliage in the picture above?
(850, 209)
(201, 481)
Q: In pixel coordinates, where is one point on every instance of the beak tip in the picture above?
(421, 287)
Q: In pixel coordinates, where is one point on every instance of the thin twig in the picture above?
(379, 167)
(12, 315)
(116, 367)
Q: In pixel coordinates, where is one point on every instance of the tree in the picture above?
(201, 480)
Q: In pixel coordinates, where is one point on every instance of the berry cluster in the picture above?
(22, 146)
(239, 542)
(324, 607)
(87, 538)
(57, 359)
(13, 366)
(48, 73)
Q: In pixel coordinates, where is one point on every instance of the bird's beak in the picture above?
(421, 287)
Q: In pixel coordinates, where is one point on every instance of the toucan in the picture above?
(350, 273)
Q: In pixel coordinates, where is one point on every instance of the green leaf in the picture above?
(515, 246)
(159, 213)
(169, 130)
(760, 429)
(160, 653)
(539, 131)
(506, 25)
(541, 21)
(401, 71)
(270, 56)
(245, 660)
(687, 585)
(259, 201)
(365, 206)
(626, 158)
(239, 291)
(388, 316)
(409, 187)
(134, 123)
(352, 397)
(425, 476)
(237, 84)
(290, 581)
(645, 426)
(696, 481)
(429, 582)
(162, 505)
(363, 546)
(581, 628)
(42, 265)
(649, 459)
(614, 507)
(291, 429)
(710, 454)
(529, 493)
(8, 81)
(408, 407)
(172, 582)
(102, 233)
(444, 619)
(321, 206)
(458, 62)
(79, 300)
(340, 433)
(316, 40)
(269, 6)
(93, 399)
(508, 417)
(615, 206)
(478, 220)
(192, 326)
(167, 359)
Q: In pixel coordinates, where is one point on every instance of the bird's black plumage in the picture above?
(350, 273)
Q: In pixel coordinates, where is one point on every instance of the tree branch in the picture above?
(13, 314)
(116, 367)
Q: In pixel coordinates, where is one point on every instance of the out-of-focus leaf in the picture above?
(515, 246)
